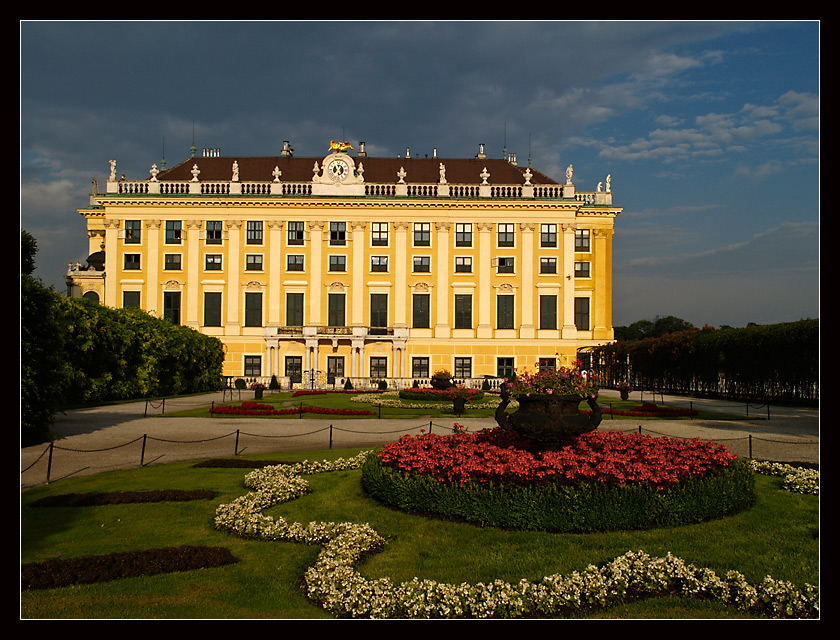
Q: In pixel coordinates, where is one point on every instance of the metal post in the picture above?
(143, 451)
(331, 436)
(750, 447)
(236, 445)
(49, 462)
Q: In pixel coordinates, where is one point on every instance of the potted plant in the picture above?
(258, 388)
(459, 397)
(624, 389)
(549, 403)
(441, 379)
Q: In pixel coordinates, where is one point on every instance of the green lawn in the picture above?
(778, 536)
(379, 405)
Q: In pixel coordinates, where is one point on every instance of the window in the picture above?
(294, 309)
(213, 262)
(379, 234)
(463, 234)
(548, 235)
(422, 234)
(172, 234)
(295, 233)
(463, 264)
(212, 309)
(253, 309)
(131, 299)
(213, 232)
(506, 235)
(338, 263)
(547, 364)
(582, 314)
(335, 310)
(378, 367)
(581, 239)
(548, 265)
(294, 262)
(420, 310)
(172, 261)
(254, 232)
(294, 368)
(504, 312)
(253, 366)
(379, 263)
(504, 367)
(254, 262)
(131, 261)
(422, 264)
(132, 232)
(338, 233)
(463, 311)
(463, 367)
(172, 306)
(378, 309)
(419, 367)
(548, 312)
(581, 269)
(335, 368)
(505, 265)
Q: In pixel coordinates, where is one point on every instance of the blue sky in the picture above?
(710, 130)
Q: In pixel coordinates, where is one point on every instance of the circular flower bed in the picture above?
(603, 480)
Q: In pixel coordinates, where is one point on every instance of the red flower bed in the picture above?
(609, 457)
(321, 392)
(256, 409)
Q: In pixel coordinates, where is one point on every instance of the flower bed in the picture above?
(323, 392)
(601, 481)
(607, 457)
(257, 409)
(417, 393)
(337, 586)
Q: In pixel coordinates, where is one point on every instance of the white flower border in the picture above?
(335, 584)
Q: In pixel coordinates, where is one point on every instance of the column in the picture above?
(443, 269)
(315, 285)
(274, 269)
(152, 269)
(484, 266)
(401, 261)
(568, 322)
(526, 328)
(233, 269)
(359, 269)
(192, 314)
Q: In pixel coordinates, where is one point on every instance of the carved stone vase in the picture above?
(550, 421)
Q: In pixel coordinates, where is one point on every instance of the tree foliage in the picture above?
(75, 351)
(779, 361)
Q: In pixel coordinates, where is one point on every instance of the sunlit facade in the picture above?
(316, 270)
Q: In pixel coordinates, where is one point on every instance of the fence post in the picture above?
(143, 450)
(430, 426)
(236, 444)
(49, 462)
(331, 436)
(750, 454)
(163, 407)
(691, 409)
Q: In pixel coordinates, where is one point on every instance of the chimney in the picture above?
(481, 155)
(287, 150)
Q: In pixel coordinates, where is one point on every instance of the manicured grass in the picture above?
(434, 408)
(778, 536)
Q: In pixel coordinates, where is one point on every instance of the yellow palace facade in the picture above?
(319, 269)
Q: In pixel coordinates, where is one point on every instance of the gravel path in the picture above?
(130, 435)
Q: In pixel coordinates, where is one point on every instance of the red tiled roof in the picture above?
(376, 170)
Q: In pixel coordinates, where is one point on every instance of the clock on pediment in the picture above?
(338, 169)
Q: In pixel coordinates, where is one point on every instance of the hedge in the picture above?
(580, 508)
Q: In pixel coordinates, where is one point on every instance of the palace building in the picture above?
(319, 269)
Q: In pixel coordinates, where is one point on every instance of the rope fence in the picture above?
(52, 448)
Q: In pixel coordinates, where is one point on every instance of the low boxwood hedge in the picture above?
(579, 508)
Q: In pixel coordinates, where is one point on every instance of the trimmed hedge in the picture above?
(580, 508)
(60, 572)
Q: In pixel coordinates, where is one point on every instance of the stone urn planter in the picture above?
(549, 420)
